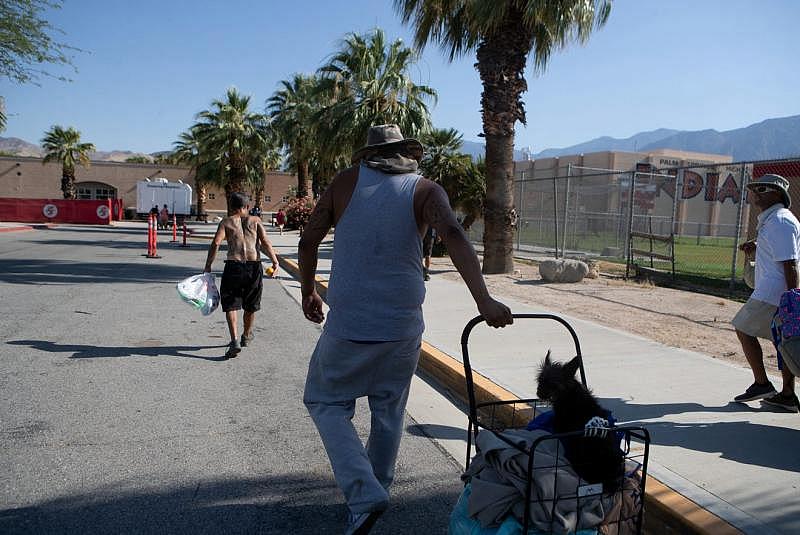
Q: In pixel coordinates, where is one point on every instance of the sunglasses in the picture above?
(762, 189)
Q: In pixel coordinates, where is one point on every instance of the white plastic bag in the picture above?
(200, 291)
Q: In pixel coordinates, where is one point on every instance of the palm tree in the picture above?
(463, 180)
(266, 160)
(187, 151)
(367, 82)
(502, 33)
(229, 133)
(292, 111)
(64, 145)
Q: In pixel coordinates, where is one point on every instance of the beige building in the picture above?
(28, 178)
(597, 184)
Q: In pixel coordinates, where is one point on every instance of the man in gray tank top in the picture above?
(370, 344)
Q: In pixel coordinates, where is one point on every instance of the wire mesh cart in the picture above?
(556, 499)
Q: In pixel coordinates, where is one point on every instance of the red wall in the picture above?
(65, 211)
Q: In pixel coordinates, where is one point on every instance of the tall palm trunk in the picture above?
(202, 195)
(258, 189)
(236, 178)
(303, 180)
(68, 182)
(501, 73)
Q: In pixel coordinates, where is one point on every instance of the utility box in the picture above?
(160, 191)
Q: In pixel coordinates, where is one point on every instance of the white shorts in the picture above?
(755, 319)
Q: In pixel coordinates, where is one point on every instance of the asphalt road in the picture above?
(117, 414)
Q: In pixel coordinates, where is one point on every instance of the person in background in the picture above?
(777, 249)
(427, 251)
(280, 219)
(242, 278)
(163, 218)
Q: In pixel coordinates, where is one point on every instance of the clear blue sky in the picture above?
(152, 65)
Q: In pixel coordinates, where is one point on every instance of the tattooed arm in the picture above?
(314, 232)
(436, 212)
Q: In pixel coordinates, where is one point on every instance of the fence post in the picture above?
(555, 209)
(629, 239)
(738, 235)
(566, 207)
(521, 206)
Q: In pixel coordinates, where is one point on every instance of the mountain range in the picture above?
(769, 139)
(20, 147)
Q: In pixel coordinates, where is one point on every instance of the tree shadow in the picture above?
(45, 271)
(276, 504)
(94, 352)
(105, 244)
(437, 431)
(743, 441)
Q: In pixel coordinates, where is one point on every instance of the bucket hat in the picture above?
(388, 136)
(778, 183)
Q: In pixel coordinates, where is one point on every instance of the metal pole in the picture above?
(566, 207)
(630, 225)
(555, 212)
(521, 207)
(737, 237)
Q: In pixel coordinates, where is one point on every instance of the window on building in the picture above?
(104, 193)
(268, 198)
(285, 198)
(212, 196)
(95, 190)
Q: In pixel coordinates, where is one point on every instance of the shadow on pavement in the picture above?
(744, 442)
(26, 271)
(437, 431)
(94, 352)
(275, 504)
(105, 244)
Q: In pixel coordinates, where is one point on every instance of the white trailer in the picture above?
(160, 191)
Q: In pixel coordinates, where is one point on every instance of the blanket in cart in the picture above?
(498, 478)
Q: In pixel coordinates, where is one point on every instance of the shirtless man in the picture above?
(241, 279)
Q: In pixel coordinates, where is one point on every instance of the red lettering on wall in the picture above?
(712, 181)
(730, 190)
(692, 184)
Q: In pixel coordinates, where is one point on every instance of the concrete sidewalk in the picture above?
(739, 462)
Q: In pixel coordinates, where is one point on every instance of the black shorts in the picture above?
(241, 286)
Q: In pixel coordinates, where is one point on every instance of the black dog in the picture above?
(596, 459)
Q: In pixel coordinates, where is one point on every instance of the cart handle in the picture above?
(468, 367)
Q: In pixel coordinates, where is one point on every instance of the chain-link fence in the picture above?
(683, 220)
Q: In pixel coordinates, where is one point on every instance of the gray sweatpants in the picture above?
(341, 371)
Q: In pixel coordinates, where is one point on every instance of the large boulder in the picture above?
(563, 270)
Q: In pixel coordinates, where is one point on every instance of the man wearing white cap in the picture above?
(381, 208)
(777, 249)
